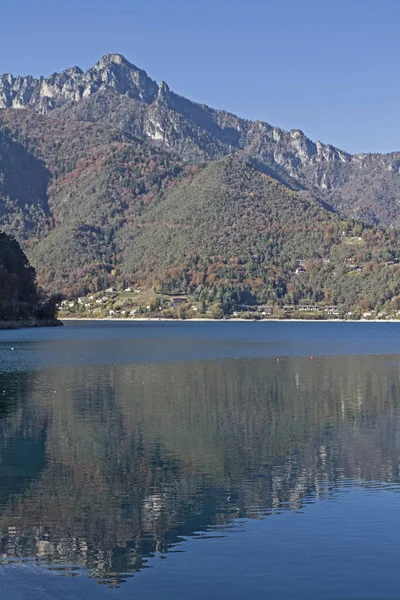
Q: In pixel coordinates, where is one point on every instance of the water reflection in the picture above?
(101, 467)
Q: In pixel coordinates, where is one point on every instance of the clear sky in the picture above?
(330, 68)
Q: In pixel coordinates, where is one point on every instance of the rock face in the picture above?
(115, 92)
(113, 71)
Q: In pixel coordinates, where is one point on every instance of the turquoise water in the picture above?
(186, 460)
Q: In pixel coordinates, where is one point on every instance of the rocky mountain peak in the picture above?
(163, 88)
(111, 72)
(73, 71)
(163, 94)
(115, 91)
(113, 59)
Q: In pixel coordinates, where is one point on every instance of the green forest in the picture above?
(95, 207)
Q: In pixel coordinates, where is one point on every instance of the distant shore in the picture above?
(234, 320)
(23, 323)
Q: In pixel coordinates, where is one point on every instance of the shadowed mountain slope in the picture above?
(20, 297)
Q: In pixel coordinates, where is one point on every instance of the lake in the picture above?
(200, 460)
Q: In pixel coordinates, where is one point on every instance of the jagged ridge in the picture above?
(112, 71)
(362, 186)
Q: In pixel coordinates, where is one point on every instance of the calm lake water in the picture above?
(183, 460)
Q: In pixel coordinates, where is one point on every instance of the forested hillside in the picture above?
(116, 93)
(108, 179)
(228, 235)
(237, 235)
(20, 298)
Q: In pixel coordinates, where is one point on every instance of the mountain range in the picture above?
(108, 177)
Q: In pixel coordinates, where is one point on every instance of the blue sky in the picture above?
(328, 68)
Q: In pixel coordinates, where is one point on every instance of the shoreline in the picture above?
(235, 320)
(29, 323)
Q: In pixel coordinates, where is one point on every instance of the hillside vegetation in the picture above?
(230, 237)
(20, 298)
(116, 181)
(232, 234)
(117, 94)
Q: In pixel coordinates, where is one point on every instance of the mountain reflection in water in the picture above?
(101, 467)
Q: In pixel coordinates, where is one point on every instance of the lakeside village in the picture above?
(136, 303)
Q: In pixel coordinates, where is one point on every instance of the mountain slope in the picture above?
(98, 180)
(232, 233)
(115, 91)
(108, 178)
(24, 180)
